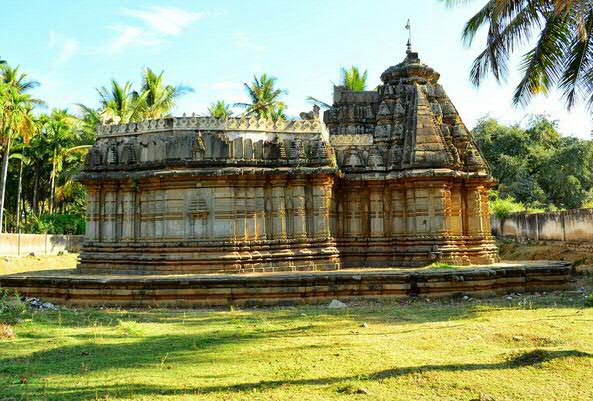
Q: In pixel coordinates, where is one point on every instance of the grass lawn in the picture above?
(13, 265)
(530, 348)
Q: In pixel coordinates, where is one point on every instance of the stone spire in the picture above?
(409, 120)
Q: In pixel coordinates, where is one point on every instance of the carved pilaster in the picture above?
(278, 208)
(298, 212)
(376, 229)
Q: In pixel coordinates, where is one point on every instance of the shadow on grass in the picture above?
(528, 359)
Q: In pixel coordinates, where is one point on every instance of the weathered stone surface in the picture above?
(295, 287)
(396, 180)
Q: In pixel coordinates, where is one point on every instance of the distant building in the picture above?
(392, 179)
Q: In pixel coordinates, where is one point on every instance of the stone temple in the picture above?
(389, 178)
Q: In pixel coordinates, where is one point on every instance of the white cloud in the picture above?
(132, 36)
(66, 47)
(165, 20)
(155, 25)
(243, 41)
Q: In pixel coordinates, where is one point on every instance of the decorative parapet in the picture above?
(195, 123)
(351, 140)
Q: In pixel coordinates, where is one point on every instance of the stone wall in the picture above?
(38, 244)
(571, 226)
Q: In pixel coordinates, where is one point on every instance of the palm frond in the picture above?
(542, 64)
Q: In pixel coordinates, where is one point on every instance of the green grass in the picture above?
(39, 264)
(441, 265)
(531, 348)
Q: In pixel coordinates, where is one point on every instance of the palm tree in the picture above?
(119, 104)
(265, 98)
(88, 119)
(13, 77)
(220, 109)
(353, 80)
(60, 129)
(159, 99)
(16, 120)
(19, 155)
(278, 113)
(561, 57)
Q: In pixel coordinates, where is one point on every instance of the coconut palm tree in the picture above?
(278, 113)
(13, 77)
(159, 99)
(353, 80)
(16, 120)
(88, 118)
(119, 104)
(265, 98)
(220, 109)
(61, 130)
(561, 57)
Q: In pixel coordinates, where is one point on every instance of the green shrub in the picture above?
(589, 301)
(503, 207)
(57, 223)
(11, 307)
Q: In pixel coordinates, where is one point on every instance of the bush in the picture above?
(503, 207)
(589, 301)
(70, 224)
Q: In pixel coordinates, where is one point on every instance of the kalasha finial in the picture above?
(409, 28)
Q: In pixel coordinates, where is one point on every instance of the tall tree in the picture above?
(159, 99)
(220, 109)
(561, 57)
(60, 130)
(264, 97)
(16, 121)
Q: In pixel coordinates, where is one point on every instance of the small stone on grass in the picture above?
(335, 304)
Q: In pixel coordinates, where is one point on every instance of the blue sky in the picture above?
(73, 47)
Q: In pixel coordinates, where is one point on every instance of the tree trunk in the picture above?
(3, 175)
(18, 199)
(35, 186)
(53, 184)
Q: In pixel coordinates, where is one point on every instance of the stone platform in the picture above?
(287, 288)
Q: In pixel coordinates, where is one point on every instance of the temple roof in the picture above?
(408, 123)
(410, 68)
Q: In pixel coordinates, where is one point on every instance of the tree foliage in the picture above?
(560, 32)
(50, 148)
(536, 166)
(220, 109)
(353, 79)
(264, 97)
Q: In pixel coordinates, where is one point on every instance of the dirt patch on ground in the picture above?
(582, 261)
(6, 332)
